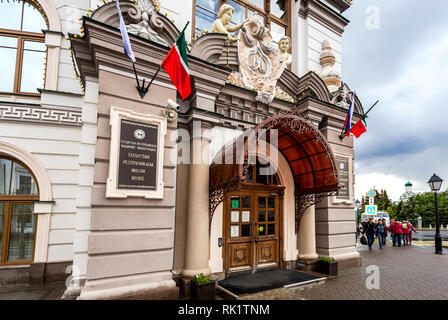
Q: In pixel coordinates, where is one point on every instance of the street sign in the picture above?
(371, 210)
(371, 201)
(371, 193)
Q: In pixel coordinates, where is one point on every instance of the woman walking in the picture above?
(380, 232)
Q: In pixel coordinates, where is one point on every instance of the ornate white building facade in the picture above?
(58, 148)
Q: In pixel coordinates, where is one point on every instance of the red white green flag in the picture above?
(176, 65)
(359, 128)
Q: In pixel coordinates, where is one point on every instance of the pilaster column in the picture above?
(85, 184)
(306, 237)
(197, 248)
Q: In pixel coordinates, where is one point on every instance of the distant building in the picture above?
(408, 193)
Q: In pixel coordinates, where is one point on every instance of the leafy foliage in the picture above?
(422, 205)
(201, 278)
(327, 259)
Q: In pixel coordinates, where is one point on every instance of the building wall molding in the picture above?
(37, 113)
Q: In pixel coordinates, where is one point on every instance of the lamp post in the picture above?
(357, 202)
(435, 183)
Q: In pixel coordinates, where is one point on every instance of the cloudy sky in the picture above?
(401, 60)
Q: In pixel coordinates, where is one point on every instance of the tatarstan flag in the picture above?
(359, 128)
(176, 65)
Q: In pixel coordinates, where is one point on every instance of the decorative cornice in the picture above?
(39, 114)
(323, 14)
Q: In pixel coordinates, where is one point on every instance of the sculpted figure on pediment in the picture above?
(221, 25)
(343, 97)
(261, 63)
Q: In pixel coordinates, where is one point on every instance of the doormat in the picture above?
(239, 284)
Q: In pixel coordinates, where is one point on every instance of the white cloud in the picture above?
(366, 181)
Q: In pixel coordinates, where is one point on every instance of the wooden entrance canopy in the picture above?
(307, 151)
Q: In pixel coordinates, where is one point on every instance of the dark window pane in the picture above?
(246, 202)
(271, 202)
(258, 3)
(250, 174)
(271, 229)
(262, 230)
(212, 5)
(10, 15)
(21, 239)
(2, 219)
(261, 178)
(204, 20)
(22, 182)
(36, 46)
(261, 202)
(7, 69)
(5, 176)
(278, 8)
(235, 201)
(240, 12)
(271, 216)
(245, 230)
(33, 21)
(261, 216)
(32, 71)
(10, 42)
(277, 32)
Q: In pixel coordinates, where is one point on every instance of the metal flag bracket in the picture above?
(142, 89)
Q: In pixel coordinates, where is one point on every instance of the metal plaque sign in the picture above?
(343, 178)
(137, 156)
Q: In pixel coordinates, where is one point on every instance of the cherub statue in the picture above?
(284, 45)
(221, 25)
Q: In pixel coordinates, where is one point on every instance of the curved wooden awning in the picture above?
(307, 151)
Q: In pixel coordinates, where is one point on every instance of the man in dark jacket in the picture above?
(370, 232)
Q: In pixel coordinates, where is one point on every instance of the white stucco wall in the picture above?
(57, 147)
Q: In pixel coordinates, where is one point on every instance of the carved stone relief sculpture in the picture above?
(260, 63)
(343, 97)
(146, 11)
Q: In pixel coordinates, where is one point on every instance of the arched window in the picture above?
(18, 192)
(22, 47)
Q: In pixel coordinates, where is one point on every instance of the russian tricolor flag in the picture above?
(348, 120)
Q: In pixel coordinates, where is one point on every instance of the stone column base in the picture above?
(306, 265)
(162, 290)
(349, 260)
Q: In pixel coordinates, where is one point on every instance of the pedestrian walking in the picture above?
(410, 233)
(385, 232)
(405, 227)
(391, 230)
(397, 231)
(380, 231)
(370, 232)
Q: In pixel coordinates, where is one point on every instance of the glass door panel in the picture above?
(22, 232)
(2, 224)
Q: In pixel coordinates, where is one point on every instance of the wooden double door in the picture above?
(252, 230)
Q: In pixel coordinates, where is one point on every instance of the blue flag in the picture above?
(348, 119)
(124, 35)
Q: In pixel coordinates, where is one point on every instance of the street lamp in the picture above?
(435, 183)
(357, 203)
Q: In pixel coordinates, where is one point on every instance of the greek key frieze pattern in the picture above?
(39, 114)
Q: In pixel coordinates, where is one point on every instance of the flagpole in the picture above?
(136, 76)
(160, 67)
(365, 114)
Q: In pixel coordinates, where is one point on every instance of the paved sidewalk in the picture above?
(47, 291)
(406, 273)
